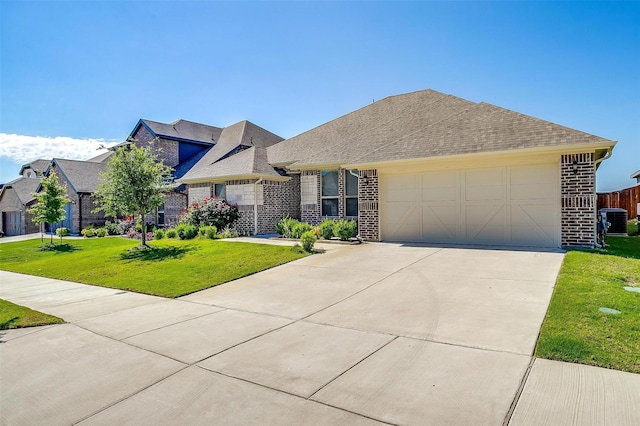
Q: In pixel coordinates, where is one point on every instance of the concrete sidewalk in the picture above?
(376, 333)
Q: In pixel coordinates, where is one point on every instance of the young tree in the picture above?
(133, 184)
(50, 202)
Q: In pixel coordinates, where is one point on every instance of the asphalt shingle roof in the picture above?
(24, 188)
(40, 166)
(183, 129)
(83, 176)
(238, 137)
(421, 124)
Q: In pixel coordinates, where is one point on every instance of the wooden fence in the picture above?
(627, 199)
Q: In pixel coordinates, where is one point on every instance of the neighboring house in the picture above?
(81, 179)
(35, 168)
(430, 167)
(14, 197)
(636, 176)
(179, 145)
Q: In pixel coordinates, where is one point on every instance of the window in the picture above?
(351, 193)
(220, 191)
(160, 215)
(329, 187)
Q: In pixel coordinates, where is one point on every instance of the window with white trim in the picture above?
(220, 191)
(329, 193)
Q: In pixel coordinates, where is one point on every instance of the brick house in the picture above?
(424, 167)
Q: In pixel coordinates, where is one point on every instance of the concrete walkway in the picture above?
(369, 334)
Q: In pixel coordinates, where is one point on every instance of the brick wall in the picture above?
(578, 218)
(174, 204)
(86, 205)
(166, 150)
(368, 213)
(280, 199)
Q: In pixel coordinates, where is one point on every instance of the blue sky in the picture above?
(75, 74)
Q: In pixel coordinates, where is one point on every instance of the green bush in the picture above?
(158, 234)
(171, 233)
(113, 228)
(102, 232)
(227, 232)
(285, 227)
(88, 232)
(62, 232)
(326, 228)
(210, 232)
(300, 228)
(186, 231)
(345, 229)
(308, 239)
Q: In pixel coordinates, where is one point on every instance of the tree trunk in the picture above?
(144, 231)
(51, 231)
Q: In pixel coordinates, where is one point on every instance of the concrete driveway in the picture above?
(377, 333)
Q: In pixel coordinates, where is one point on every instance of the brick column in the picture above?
(578, 199)
(368, 213)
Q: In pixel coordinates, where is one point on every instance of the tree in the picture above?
(133, 184)
(50, 202)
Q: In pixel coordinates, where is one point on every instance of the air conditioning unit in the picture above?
(618, 220)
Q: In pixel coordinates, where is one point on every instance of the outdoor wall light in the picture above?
(575, 166)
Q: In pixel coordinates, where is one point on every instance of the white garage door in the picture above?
(517, 205)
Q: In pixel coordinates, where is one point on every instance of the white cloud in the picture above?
(24, 149)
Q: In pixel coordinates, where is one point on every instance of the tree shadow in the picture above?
(156, 254)
(59, 248)
(5, 325)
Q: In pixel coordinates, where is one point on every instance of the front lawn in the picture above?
(16, 316)
(172, 268)
(575, 330)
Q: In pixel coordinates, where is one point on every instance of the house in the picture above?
(14, 197)
(81, 179)
(636, 176)
(423, 167)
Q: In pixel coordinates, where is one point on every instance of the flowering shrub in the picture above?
(210, 212)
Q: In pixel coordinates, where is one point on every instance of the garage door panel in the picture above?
(484, 184)
(401, 188)
(485, 223)
(440, 223)
(405, 223)
(440, 186)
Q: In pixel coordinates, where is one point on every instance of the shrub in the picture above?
(102, 232)
(345, 229)
(186, 231)
(62, 232)
(285, 227)
(227, 232)
(88, 232)
(326, 228)
(125, 226)
(297, 248)
(210, 212)
(171, 233)
(210, 232)
(308, 239)
(158, 234)
(113, 228)
(300, 228)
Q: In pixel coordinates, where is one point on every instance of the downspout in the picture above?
(255, 205)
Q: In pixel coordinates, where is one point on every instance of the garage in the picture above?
(511, 205)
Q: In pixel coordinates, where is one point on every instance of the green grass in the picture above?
(574, 330)
(171, 268)
(16, 316)
(632, 227)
